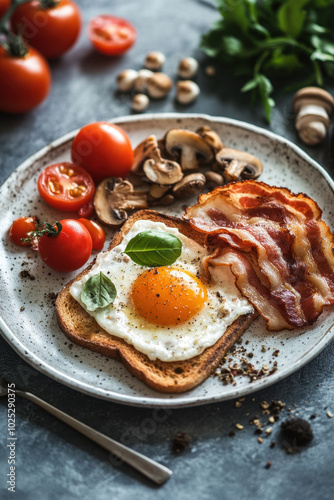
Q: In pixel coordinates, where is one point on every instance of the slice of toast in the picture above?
(180, 376)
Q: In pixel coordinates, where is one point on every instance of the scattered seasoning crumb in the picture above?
(268, 465)
(272, 444)
(260, 440)
(269, 430)
(231, 433)
(271, 420)
(238, 404)
(22, 308)
(329, 414)
(297, 432)
(313, 416)
(239, 427)
(26, 274)
(181, 442)
(263, 348)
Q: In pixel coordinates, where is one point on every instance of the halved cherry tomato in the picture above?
(66, 186)
(25, 81)
(111, 35)
(4, 6)
(97, 233)
(52, 27)
(103, 149)
(20, 230)
(69, 250)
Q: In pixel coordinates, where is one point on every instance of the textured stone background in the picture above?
(55, 462)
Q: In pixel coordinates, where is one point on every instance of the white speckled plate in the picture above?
(28, 320)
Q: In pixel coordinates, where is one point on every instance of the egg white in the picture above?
(167, 343)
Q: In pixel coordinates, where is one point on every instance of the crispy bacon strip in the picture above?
(277, 246)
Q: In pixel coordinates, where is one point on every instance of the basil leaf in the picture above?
(154, 248)
(98, 292)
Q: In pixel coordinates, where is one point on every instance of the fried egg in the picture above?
(165, 312)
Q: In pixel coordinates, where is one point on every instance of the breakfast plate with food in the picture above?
(197, 268)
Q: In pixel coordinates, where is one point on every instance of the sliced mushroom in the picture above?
(142, 152)
(166, 200)
(236, 164)
(190, 185)
(114, 197)
(211, 137)
(214, 178)
(157, 191)
(161, 171)
(313, 107)
(188, 148)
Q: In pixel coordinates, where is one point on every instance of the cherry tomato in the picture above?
(111, 35)
(104, 150)
(87, 211)
(69, 250)
(97, 233)
(4, 6)
(25, 81)
(65, 186)
(52, 30)
(21, 228)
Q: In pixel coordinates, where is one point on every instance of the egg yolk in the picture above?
(167, 296)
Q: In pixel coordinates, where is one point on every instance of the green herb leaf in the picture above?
(154, 248)
(291, 17)
(98, 292)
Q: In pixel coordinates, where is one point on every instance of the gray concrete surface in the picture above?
(55, 462)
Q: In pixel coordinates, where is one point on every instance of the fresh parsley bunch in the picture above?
(264, 39)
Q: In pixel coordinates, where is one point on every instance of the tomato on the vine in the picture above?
(111, 35)
(66, 186)
(4, 6)
(68, 249)
(20, 230)
(96, 231)
(25, 80)
(103, 149)
(51, 26)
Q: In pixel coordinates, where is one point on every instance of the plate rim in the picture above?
(182, 400)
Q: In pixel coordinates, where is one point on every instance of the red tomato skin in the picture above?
(52, 31)
(64, 201)
(68, 251)
(104, 150)
(25, 81)
(96, 231)
(111, 48)
(4, 6)
(20, 229)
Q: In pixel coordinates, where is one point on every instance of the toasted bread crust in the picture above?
(174, 377)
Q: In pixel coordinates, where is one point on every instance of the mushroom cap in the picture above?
(211, 137)
(313, 95)
(188, 67)
(186, 91)
(126, 80)
(140, 102)
(189, 147)
(154, 60)
(190, 185)
(164, 172)
(238, 163)
(158, 85)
